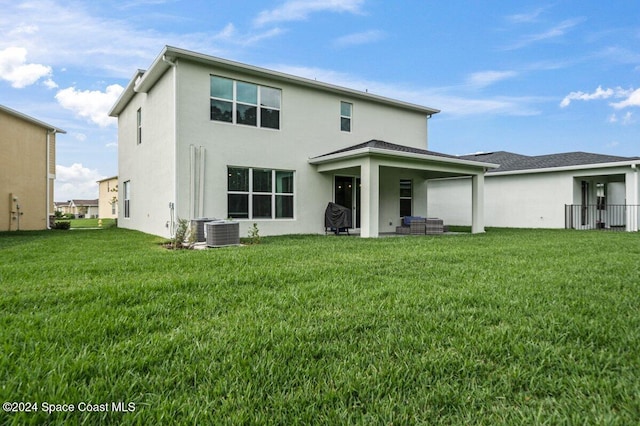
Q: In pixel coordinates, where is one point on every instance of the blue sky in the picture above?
(532, 77)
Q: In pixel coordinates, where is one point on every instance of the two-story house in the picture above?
(108, 198)
(27, 171)
(201, 136)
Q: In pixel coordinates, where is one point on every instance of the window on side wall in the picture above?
(406, 197)
(127, 198)
(139, 126)
(346, 110)
(254, 193)
(244, 103)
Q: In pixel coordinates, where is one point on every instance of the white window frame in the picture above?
(126, 189)
(346, 117)
(139, 125)
(234, 104)
(410, 197)
(273, 193)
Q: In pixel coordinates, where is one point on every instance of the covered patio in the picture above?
(378, 167)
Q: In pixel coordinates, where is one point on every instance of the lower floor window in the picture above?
(406, 197)
(254, 193)
(127, 198)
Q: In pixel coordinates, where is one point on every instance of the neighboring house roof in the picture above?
(85, 203)
(106, 179)
(30, 119)
(382, 147)
(142, 81)
(511, 162)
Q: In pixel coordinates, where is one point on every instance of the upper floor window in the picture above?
(346, 110)
(239, 102)
(139, 126)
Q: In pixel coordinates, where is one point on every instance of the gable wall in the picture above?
(107, 190)
(149, 166)
(24, 173)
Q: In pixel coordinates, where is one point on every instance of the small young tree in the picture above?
(254, 234)
(181, 237)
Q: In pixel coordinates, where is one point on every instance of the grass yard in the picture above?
(88, 223)
(509, 327)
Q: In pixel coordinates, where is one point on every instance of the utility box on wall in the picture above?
(14, 205)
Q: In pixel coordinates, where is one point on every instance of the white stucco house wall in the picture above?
(570, 190)
(200, 136)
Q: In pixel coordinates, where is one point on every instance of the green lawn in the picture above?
(88, 223)
(509, 327)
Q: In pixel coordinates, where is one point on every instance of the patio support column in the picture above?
(477, 203)
(369, 198)
(631, 194)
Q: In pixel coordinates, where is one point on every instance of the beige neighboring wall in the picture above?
(108, 198)
(27, 171)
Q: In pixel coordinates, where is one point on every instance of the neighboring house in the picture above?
(574, 190)
(84, 208)
(27, 171)
(200, 136)
(108, 198)
(62, 207)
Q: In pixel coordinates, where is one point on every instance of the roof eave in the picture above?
(362, 152)
(32, 120)
(106, 179)
(629, 163)
(127, 94)
(160, 66)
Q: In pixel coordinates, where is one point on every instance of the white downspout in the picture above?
(633, 215)
(201, 183)
(48, 179)
(192, 180)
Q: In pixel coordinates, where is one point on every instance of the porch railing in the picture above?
(607, 217)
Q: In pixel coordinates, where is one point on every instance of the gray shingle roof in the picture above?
(510, 161)
(85, 202)
(378, 144)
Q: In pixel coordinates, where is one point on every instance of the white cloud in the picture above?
(359, 38)
(76, 181)
(444, 99)
(91, 104)
(15, 69)
(633, 99)
(68, 34)
(552, 33)
(50, 84)
(601, 93)
(487, 78)
(254, 38)
(24, 29)
(526, 17)
(297, 10)
(80, 137)
(626, 119)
